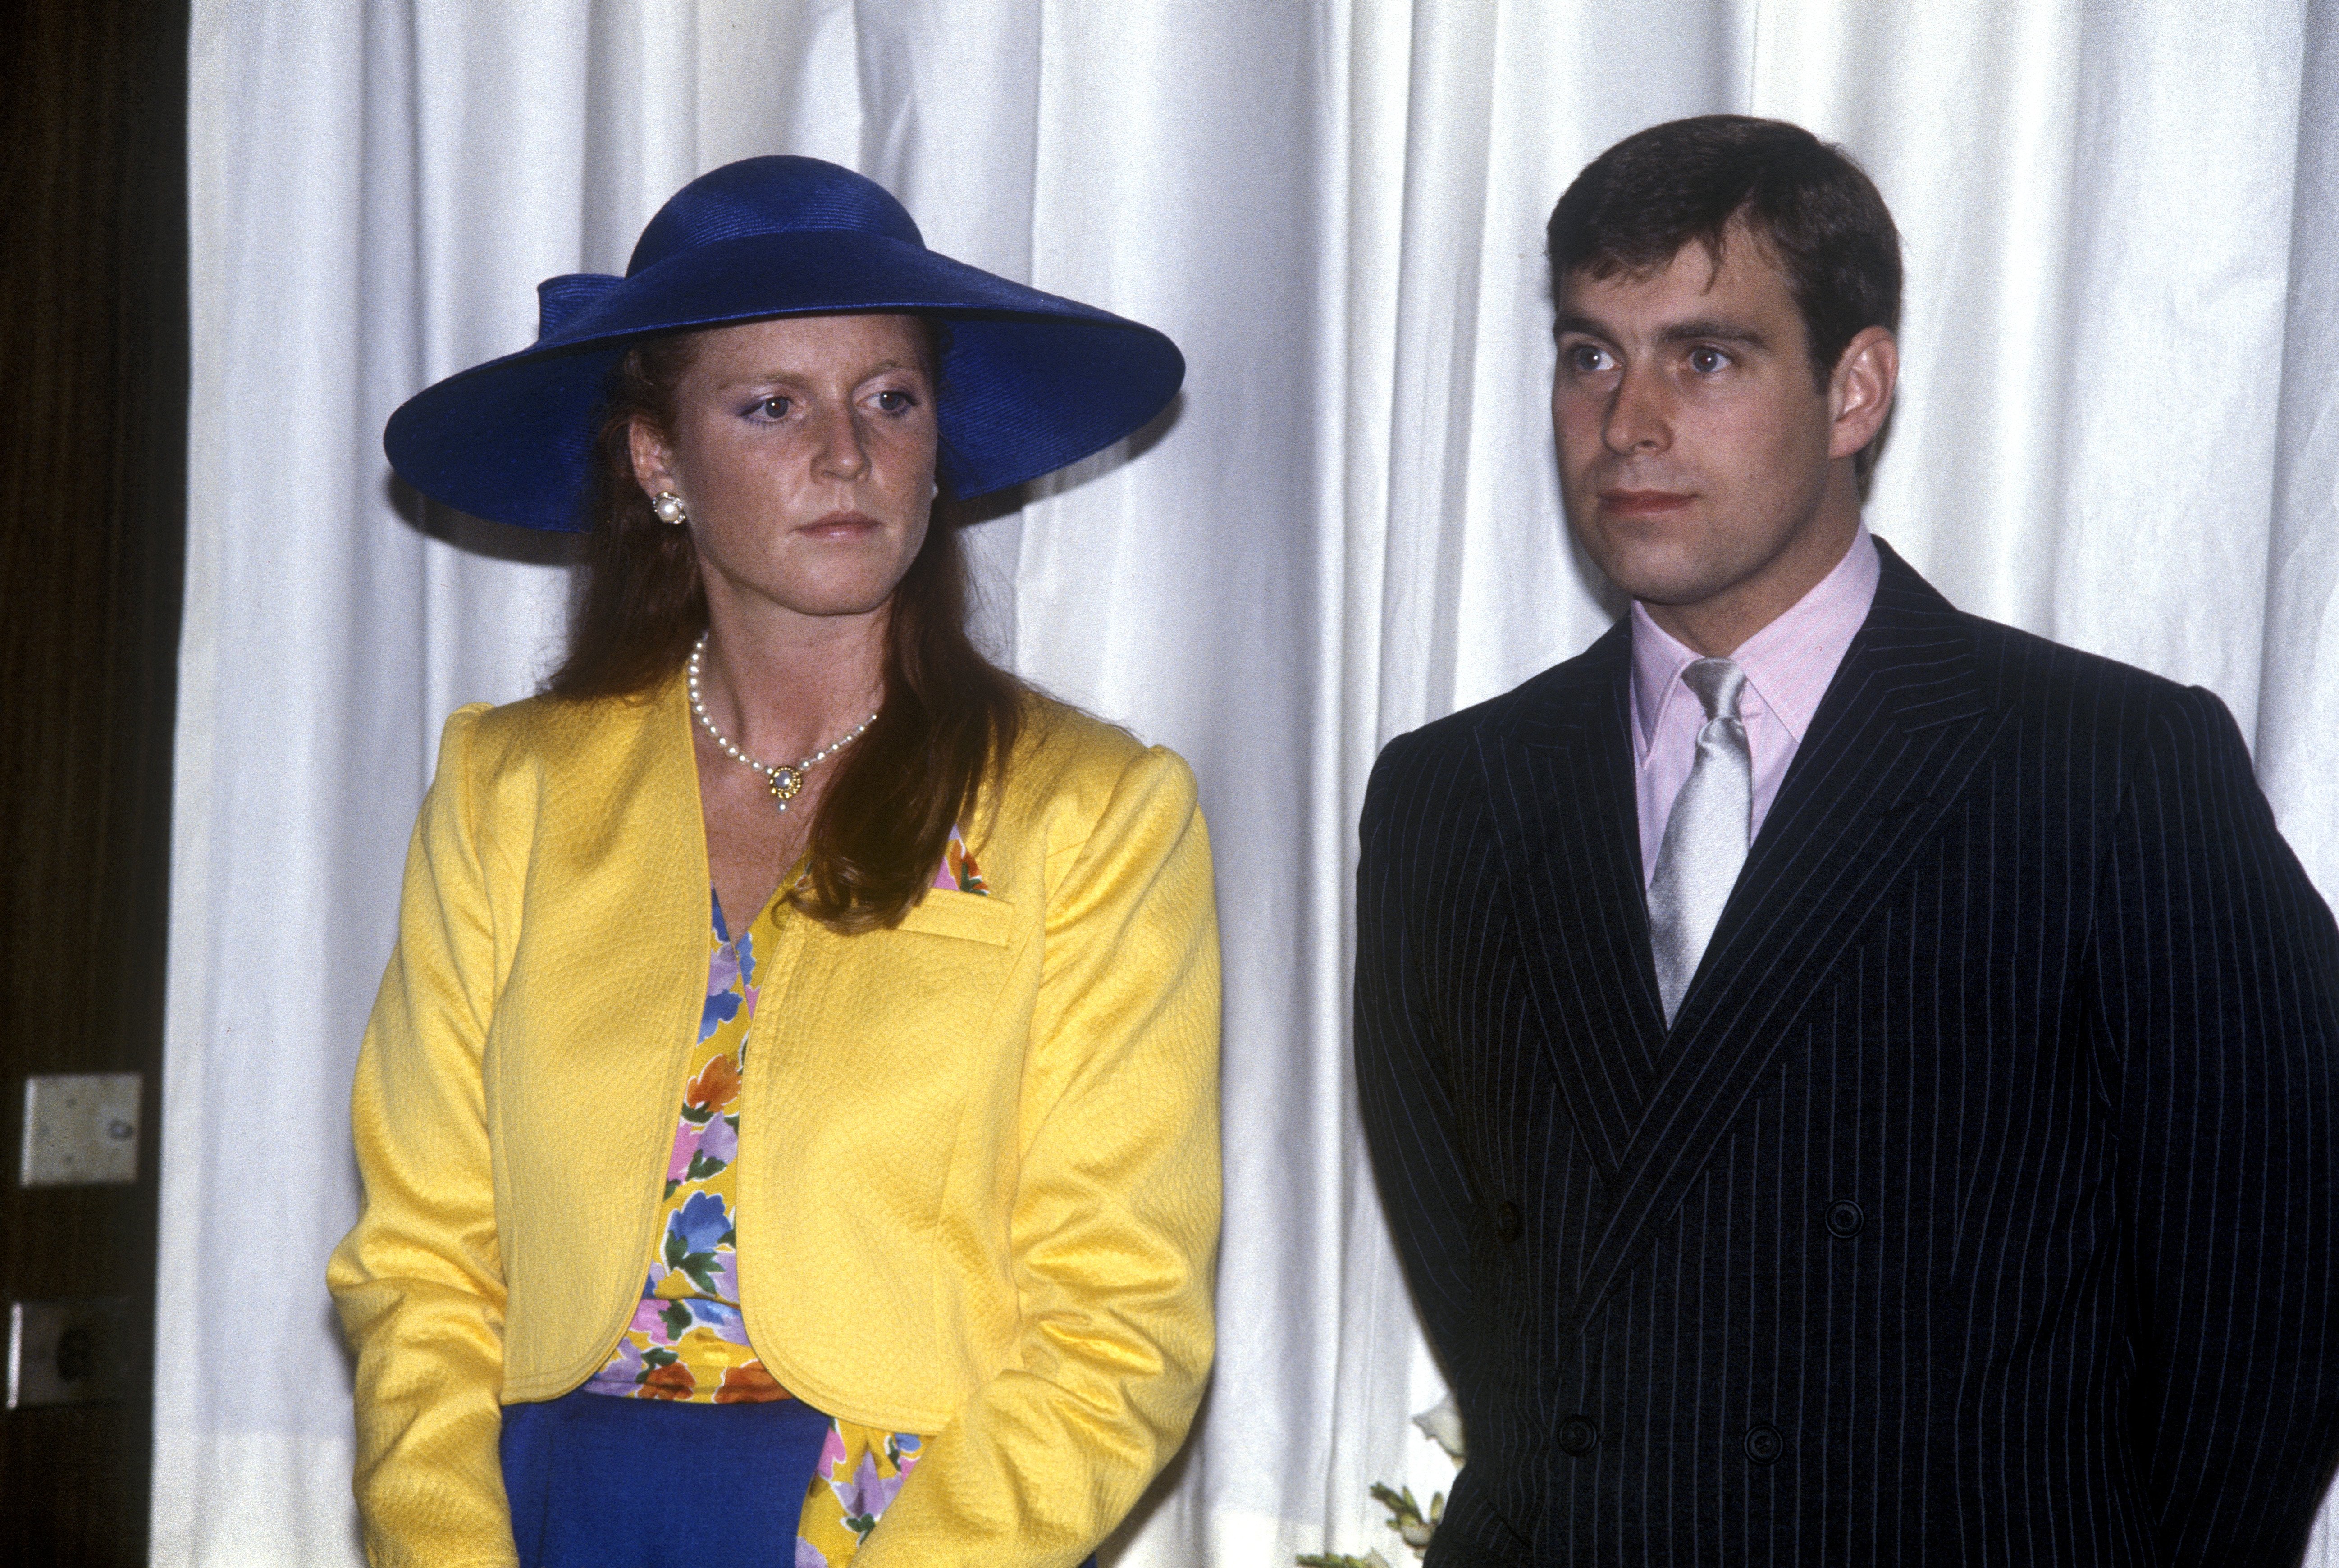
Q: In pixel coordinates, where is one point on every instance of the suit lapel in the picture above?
(1560, 775)
(1901, 730)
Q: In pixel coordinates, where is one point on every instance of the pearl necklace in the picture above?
(787, 782)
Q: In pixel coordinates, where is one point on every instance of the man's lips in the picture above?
(1644, 503)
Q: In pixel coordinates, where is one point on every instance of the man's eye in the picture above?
(1588, 359)
(895, 401)
(1706, 361)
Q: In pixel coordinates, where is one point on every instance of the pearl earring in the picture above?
(668, 507)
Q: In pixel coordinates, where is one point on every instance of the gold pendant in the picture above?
(786, 784)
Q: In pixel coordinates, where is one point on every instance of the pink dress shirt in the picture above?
(1787, 665)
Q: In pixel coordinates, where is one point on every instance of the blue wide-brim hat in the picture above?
(1030, 382)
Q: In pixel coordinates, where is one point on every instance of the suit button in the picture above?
(1578, 1436)
(1763, 1445)
(1844, 1218)
(1507, 1223)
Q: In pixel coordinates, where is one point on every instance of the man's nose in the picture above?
(1639, 418)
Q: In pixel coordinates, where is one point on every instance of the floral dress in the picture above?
(687, 1340)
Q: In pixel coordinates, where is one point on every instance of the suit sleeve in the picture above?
(2219, 984)
(418, 1281)
(1408, 870)
(1115, 1219)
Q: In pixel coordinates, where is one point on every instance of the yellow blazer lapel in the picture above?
(586, 1058)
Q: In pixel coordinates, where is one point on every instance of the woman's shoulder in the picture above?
(503, 762)
(545, 731)
(1072, 769)
(1063, 747)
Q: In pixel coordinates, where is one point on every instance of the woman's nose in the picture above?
(842, 454)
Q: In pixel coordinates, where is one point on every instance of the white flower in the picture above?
(1375, 1560)
(1442, 1423)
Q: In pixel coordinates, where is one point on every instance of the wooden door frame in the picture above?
(92, 523)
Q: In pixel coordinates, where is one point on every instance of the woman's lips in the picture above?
(839, 525)
(1642, 503)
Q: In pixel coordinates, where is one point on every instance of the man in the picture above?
(1850, 1082)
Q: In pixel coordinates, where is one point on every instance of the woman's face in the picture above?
(803, 450)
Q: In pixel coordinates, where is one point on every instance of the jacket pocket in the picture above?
(969, 916)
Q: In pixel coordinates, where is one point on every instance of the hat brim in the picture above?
(1031, 381)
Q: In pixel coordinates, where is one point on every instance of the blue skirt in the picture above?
(599, 1481)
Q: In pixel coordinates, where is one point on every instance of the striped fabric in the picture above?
(1980, 1206)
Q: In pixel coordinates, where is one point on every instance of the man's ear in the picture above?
(652, 460)
(1860, 392)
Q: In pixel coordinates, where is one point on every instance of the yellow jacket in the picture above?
(978, 1182)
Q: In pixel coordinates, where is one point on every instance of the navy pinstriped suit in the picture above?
(1979, 1208)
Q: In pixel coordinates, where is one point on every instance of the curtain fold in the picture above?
(2298, 655)
(2117, 427)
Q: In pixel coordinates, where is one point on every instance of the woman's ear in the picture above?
(652, 460)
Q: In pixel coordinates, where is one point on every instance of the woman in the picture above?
(789, 1119)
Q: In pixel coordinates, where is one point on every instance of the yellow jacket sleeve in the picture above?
(418, 1281)
(1116, 1212)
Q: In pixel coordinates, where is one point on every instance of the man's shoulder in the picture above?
(1571, 691)
(1426, 768)
(2081, 697)
(2061, 694)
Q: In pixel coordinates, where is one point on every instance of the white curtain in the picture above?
(2119, 427)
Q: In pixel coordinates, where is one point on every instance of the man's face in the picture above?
(1698, 459)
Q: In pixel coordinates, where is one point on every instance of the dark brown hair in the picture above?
(949, 716)
(1635, 206)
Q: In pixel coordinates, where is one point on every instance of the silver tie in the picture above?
(1705, 837)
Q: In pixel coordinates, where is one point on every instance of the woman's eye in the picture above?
(1706, 361)
(773, 408)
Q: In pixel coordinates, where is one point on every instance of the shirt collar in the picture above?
(1789, 662)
